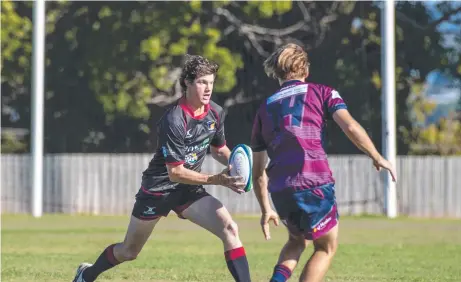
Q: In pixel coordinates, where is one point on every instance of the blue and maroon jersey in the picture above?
(290, 125)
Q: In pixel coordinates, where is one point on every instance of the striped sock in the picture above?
(281, 273)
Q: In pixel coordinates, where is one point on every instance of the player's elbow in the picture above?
(215, 153)
(351, 128)
(258, 175)
(346, 122)
(175, 172)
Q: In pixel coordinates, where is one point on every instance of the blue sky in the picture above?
(450, 29)
(436, 15)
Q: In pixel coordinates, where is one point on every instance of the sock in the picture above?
(237, 264)
(104, 262)
(281, 273)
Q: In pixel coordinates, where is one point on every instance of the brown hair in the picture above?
(196, 66)
(287, 62)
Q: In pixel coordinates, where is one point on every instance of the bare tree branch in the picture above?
(228, 30)
(163, 99)
(304, 11)
(445, 17)
(328, 19)
(257, 46)
(405, 18)
(248, 28)
(255, 36)
(433, 24)
(240, 98)
(255, 33)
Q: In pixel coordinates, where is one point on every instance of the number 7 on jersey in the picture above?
(287, 111)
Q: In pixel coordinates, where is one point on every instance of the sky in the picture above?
(450, 29)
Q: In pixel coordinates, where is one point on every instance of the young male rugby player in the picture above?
(173, 180)
(288, 129)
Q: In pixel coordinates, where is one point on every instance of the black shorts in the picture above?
(152, 205)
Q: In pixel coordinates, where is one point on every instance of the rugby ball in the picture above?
(241, 161)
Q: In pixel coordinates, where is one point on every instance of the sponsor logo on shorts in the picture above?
(164, 151)
(322, 224)
(149, 211)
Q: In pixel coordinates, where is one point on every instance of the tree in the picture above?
(112, 67)
(15, 66)
(432, 128)
(108, 62)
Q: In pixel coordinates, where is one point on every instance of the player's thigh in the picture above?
(209, 213)
(147, 211)
(138, 233)
(329, 241)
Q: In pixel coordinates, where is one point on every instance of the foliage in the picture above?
(111, 67)
(440, 138)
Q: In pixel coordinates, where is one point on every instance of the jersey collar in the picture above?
(188, 110)
(290, 82)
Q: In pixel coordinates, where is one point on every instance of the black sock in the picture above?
(237, 264)
(104, 262)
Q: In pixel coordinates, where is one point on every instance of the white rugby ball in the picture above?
(241, 161)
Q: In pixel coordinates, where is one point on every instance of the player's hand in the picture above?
(383, 163)
(235, 183)
(265, 218)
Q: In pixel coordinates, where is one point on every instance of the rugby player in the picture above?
(173, 179)
(288, 130)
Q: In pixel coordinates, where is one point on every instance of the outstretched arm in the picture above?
(360, 138)
(260, 188)
(260, 180)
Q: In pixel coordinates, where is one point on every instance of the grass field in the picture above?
(371, 249)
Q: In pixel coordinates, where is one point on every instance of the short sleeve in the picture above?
(257, 141)
(171, 138)
(333, 101)
(219, 139)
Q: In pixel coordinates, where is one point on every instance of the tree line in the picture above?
(112, 67)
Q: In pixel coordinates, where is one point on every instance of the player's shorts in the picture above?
(311, 212)
(152, 205)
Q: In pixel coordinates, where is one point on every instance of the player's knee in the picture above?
(231, 229)
(299, 242)
(327, 246)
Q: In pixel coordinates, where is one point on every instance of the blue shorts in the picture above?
(311, 212)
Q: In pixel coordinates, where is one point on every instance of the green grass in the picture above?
(371, 249)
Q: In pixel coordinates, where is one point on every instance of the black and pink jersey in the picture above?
(289, 125)
(183, 139)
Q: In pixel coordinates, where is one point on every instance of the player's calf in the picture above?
(289, 257)
(110, 257)
(136, 236)
(209, 213)
(104, 262)
(324, 250)
(235, 255)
